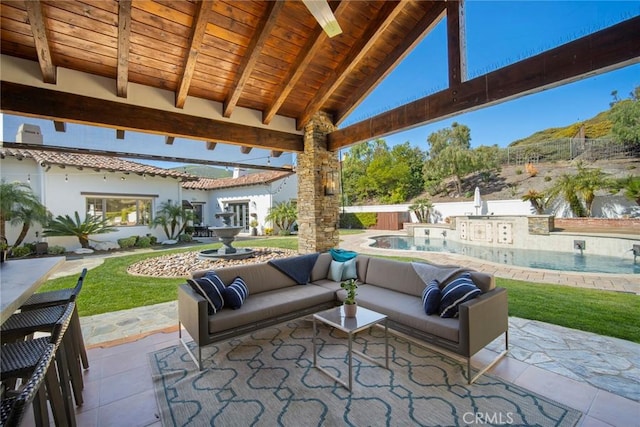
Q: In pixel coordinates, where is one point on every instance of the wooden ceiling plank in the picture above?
(201, 19)
(56, 105)
(409, 41)
(39, 29)
(308, 53)
(456, 43)
(603, 51)
(124, 41)
(266, 25)
(389, 11)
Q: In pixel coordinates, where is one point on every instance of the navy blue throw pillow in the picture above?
(212, 288)
(456, 292)
(431, 297)
(236, 293)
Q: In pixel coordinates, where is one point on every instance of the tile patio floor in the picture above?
(597, 375)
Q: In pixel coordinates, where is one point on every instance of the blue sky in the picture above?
(498, 33)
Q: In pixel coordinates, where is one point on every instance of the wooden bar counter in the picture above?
(19, 279)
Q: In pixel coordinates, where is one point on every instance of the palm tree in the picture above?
(283, 215)
(13, 197)
(422, 208)
(537, 200)
(28, 216)
(630, 186)
(567, 186)
(67, 226)
(588, 182)
(173, 219)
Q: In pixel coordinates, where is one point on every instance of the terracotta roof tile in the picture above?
(242, 181)
(112, 164)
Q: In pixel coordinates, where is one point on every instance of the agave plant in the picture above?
(68, 226)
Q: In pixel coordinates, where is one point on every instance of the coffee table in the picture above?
(364, 319)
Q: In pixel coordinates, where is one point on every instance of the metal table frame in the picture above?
(364, 319)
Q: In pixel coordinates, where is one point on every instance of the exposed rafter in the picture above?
(169, 140)
(119, 134)
(211, 145)
(59, 126)
(310, 50)
(199, 27)
(249, 60)
(39, 30)
(606, 50)
(360, 50)
(124, 36)
(245, 149)
(456, 43)
(410, 40)
(56, 105)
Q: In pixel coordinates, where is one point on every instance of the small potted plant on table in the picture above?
(350, 304)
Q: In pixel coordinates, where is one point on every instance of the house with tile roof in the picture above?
(128, 193)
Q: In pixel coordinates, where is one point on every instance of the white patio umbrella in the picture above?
(477, 201)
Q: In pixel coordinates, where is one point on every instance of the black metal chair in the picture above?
(61, 297)
(25, 359)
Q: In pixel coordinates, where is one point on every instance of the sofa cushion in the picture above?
(335, 271)
(431, 297)
(321, 267)
(349, 270)
(236, 293)
(259, 277)
(395, 275)
(459, 290)
(212, 289)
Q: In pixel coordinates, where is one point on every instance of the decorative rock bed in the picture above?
(182, 264)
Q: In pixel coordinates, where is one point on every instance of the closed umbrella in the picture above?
(477, 201)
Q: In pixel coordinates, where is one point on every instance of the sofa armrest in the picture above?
(193, 314)
(482, 320)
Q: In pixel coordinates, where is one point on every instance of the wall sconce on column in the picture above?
(330, 183)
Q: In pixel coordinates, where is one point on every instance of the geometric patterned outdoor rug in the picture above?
(267, 378)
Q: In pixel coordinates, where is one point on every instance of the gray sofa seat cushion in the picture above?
(406, 309)
(270, 304)
(328, 284)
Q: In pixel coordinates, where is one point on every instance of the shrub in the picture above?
(127, 242)
(358, 220)
(268, 231)
(531, 169)
(143, 242)
(20, 251)
(185, 238)
(152, 239)
(518, 171)
(547, 178)
(56, 250)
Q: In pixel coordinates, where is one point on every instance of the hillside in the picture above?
(598, 126)
(204, 171)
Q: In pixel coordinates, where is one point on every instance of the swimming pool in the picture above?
(550, 260)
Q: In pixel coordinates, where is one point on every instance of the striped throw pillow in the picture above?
(236, 293)
(431, 297)
(212, 288)
(456, 292)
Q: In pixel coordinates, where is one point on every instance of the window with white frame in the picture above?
(121, 211)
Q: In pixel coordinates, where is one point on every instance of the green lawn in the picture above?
(110, 288)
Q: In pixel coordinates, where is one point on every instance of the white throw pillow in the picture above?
(335, 271)
(349, 270)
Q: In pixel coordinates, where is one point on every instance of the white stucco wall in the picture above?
(64, 197)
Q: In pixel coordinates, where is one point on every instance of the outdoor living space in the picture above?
(593, 374)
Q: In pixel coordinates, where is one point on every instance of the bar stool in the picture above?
(14, 404)
(22, 358)
(60, 297)
(24, 324)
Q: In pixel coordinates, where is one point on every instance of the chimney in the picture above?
(29, 134)
(238, 172)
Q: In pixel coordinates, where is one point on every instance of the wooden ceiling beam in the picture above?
(169, 140)
(250, 58)
(275, 154)
(56, 105)
(211, 145)
(456, 43)
(316, 40)
(375, 30)
(199, 28)
(603, 51)
(410, 40)
(41, 40)
(124, 38)
(119, 134)
(245, 149)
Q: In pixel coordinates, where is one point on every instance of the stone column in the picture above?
(318, 213)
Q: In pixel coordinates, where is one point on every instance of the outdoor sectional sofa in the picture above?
(393, 288)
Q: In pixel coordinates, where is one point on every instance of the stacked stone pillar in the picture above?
(318, 213)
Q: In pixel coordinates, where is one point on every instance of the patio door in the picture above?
(240, 216)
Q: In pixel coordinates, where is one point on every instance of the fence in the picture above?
(568, 149)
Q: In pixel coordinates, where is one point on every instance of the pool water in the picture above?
(550, 260)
